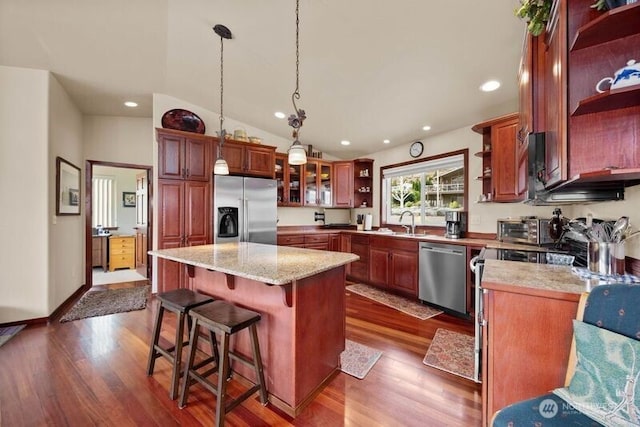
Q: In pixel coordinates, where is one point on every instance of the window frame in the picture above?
(383, 202)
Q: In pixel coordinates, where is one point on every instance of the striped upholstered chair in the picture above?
(603, 378)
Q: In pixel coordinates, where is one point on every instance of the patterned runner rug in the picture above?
(405, 305)
(451, 352)
(101, 303)
(358, 359)
(9, 332)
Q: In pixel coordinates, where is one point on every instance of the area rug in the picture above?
(451, 352)
(405, 305)
(9, 332)
(101, 303)
(358, 359)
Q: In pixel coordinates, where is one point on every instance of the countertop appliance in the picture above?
(244, 209)
(535, 254)
(527, 229)
(455, 224)
(443, 276)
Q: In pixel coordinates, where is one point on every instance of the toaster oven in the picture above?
(529, 230)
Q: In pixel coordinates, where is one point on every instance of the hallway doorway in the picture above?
(117, 222)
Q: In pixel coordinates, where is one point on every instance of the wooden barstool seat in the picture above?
(178, 301)
(226, 319)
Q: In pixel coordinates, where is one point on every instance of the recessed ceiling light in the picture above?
(131, 104)
(280, 114)
(426, 127)
(345, 142)
(386, 141)
(490, 86)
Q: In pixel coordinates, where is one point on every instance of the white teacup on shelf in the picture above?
(625, 76)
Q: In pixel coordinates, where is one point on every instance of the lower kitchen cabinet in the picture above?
(320, 241)
(526, 344)
(393, 264)
(360, 268)
(100, 252)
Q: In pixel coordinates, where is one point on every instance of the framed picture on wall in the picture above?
(128, 199)
(67, 188)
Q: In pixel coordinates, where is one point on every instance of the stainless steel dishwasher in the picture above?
(443, 276)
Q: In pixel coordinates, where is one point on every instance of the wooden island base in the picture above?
(301, 333)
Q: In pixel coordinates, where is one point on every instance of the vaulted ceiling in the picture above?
(369, 69)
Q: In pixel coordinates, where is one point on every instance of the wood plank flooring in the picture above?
(91, 372)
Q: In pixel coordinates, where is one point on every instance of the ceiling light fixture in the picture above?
(386, 141)
(280, 114)
(297, 153)
(490, 86)
(345, 142)
(131, 104)
(427, 127)
(221, 167)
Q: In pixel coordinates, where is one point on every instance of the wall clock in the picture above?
(416, 149)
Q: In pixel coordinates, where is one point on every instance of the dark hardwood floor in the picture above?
(92, 372)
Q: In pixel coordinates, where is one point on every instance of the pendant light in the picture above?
(297, 153)
(221, 167)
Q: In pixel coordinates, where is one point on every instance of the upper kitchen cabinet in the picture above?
(590, 137)
(249, 159)
(288, 178)
(183, 155)
(362, 183)
(499, 164)
(343, 184)
(317, 183)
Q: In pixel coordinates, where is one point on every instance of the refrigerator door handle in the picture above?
(246, 220)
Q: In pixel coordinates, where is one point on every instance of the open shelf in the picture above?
(611, 100)
(614, 24)
(480, 178)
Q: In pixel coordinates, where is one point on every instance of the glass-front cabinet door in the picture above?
(311, 184)
(317, 187)
(325, 184)
(288, 180)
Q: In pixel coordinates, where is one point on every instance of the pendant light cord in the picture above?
(296, 94)
(221, 89)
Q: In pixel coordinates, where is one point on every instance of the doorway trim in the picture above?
(88, 209)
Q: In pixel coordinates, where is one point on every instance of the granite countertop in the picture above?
(532, 278)
(427, 238)
(274, 265)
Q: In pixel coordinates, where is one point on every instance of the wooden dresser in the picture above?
(122, 252)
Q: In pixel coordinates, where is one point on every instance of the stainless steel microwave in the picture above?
(530, 230)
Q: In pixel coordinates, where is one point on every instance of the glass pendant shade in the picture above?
(297, 154)
(221, 167)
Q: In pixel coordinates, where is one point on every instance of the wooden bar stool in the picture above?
(178, 301)
(227, 319)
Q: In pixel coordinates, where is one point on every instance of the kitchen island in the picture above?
(300, 294)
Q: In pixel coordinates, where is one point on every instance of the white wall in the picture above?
(118, 139)
(25, 191)
(66, 234)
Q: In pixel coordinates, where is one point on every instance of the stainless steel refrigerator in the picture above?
(244, 209)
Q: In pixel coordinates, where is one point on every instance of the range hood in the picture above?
(599, 186)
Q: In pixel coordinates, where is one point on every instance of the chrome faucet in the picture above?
(413, 222)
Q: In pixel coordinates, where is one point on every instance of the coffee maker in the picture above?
(456, 224)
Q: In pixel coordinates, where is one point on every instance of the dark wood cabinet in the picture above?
(589, 136)
(393, 264)
(182, 155)
(343, 184)
(360, 268)
(249, 159)
(500, 159)
(334, 242)
(318, 187)
(362, 183)
(288, 179)
(184, 219)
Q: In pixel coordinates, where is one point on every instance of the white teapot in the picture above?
(625, 76)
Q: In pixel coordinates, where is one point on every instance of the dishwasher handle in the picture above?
(441, 250)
